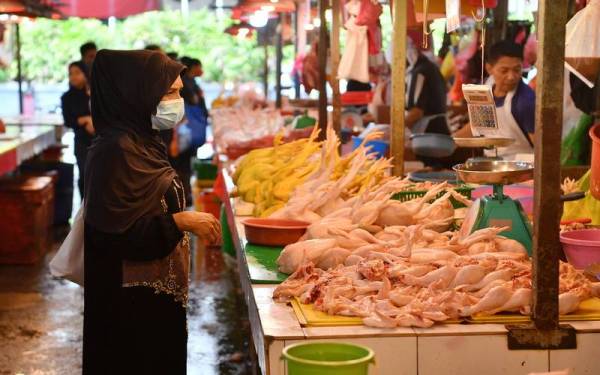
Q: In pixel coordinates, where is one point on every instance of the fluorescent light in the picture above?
(267, 8)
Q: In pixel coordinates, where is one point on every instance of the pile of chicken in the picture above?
(417, 276)
(369, 222)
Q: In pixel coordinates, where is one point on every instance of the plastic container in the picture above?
(379, 148)
(274, 232)
(331, 358)
(209, 202)
(595, 169)
(581, 247)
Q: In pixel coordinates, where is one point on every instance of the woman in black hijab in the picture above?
(77, 116)
(136, 254)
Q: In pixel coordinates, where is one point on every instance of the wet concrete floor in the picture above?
(41, 320)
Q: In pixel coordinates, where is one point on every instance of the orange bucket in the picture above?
(595, 174)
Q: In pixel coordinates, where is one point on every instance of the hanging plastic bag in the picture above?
(575, 148)
(68, 261)
(586, 208)
(582, 43)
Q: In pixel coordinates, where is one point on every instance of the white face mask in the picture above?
(168, 114)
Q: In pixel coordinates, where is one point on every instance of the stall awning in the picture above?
(107, 8)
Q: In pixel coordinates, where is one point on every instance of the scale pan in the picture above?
(494, 172)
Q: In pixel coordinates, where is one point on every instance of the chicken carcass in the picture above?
(299, 253)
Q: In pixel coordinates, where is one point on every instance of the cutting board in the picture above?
(309, 317)
(262, 264)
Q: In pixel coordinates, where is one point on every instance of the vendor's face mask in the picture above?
(168, 114)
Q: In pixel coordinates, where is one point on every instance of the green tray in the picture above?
(262, 264)
(464, 190)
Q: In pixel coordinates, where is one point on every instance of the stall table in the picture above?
(21, 143)
(442, 349)
(50, 119)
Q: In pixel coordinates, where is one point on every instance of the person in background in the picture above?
(194, 99)
(136, 253)
(88, 54)
(154, 47)
(196, 114)
(515, 101)
(77, 115)
(173, 56)
(425, 94)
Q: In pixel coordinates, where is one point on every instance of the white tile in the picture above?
(481, 354)
(461, 329)
(581, 361)
(593, 326)
(393, 355)
(356, 331)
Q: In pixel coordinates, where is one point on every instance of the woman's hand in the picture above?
(203, 225)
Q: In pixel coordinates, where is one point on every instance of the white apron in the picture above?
(509, 128)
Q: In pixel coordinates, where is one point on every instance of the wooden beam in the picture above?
(322, 57)
(279, 60)
(336, 11)
(548, 130)
(266, 72)
(398, 89)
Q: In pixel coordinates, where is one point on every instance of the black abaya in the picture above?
(132, 330)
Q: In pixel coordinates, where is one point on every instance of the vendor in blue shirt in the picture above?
(515, 101)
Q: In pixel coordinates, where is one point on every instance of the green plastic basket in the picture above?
(464, 190)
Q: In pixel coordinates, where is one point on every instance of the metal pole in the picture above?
(398, 89)
(322, 57)
(19, 70)
(279, 58)
(545, 332)
(266, 72)
(335, 62)
(297, 49)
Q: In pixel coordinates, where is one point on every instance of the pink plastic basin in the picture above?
(581, 247)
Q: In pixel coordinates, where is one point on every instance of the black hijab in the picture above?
(127, 170)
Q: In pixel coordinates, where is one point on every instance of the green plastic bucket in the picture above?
(327, 358)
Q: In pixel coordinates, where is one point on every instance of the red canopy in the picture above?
(107, 8)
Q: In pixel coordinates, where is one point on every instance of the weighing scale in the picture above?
(497, 210)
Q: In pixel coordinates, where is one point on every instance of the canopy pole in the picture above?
(548, 130)
(335, 62)
(545, 332)
(398, 89)
(19, 69)
(322, 57)
(279, 58)
(266, 72)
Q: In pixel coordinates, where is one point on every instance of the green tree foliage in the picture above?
(49, 45)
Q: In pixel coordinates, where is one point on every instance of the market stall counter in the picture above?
(443, 348)
(21, 143)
